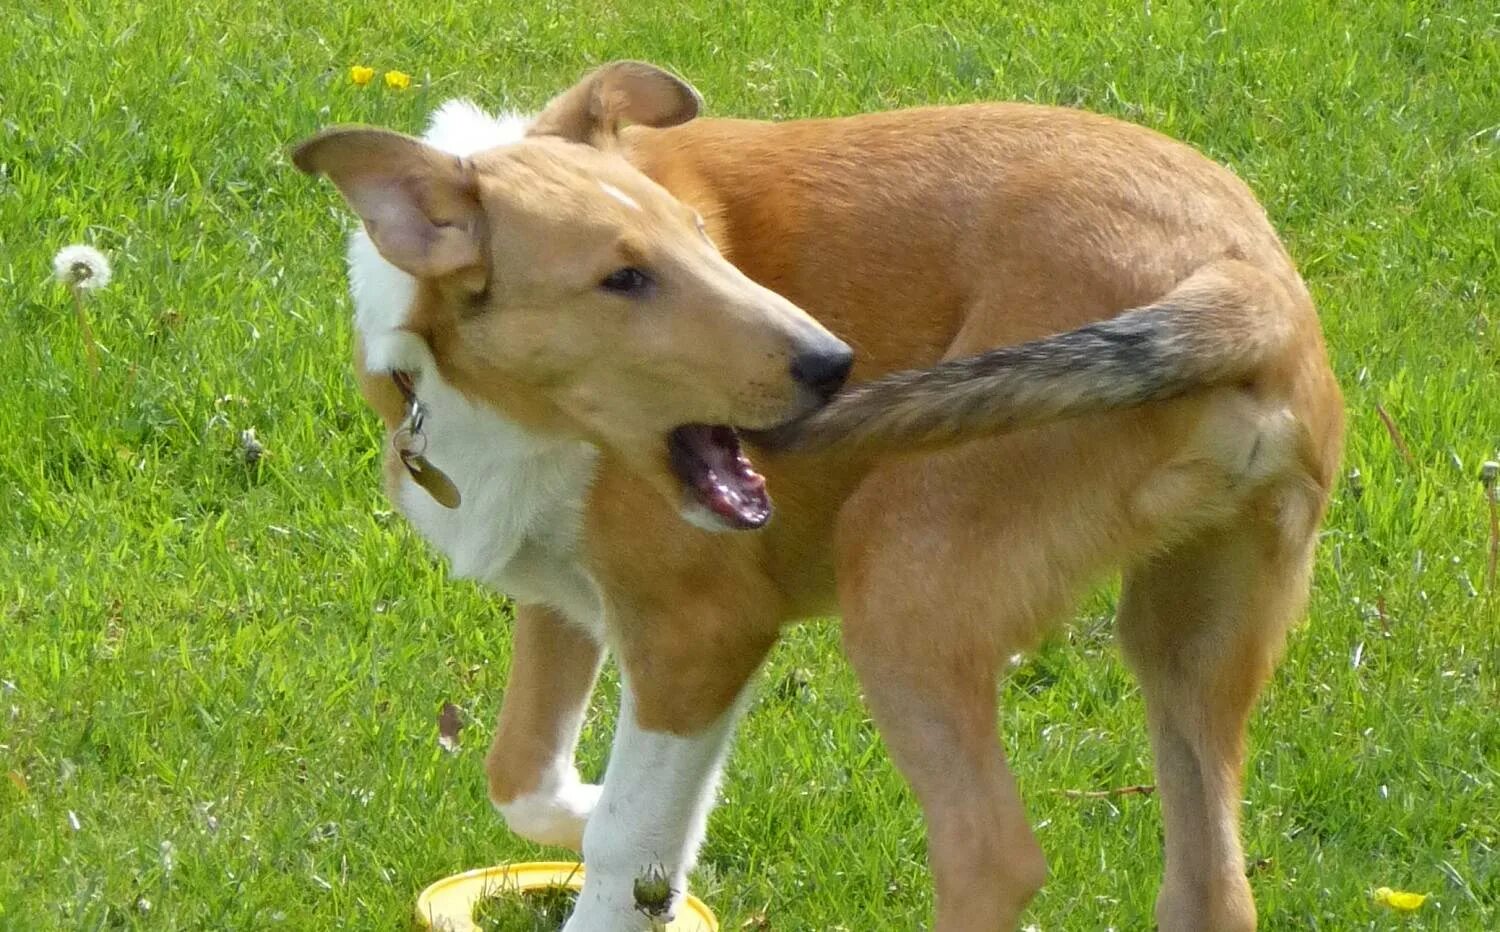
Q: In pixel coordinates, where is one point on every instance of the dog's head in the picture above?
(560, 285)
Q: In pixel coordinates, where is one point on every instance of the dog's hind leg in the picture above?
(941, 580)
(1202, 626)
(949, 564)
(935, 708)
(532, 778)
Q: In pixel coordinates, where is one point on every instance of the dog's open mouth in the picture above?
(716, 474)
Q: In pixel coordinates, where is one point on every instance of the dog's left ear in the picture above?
(594, 110)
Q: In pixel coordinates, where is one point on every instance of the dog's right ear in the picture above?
(594, 110)
(419, 205)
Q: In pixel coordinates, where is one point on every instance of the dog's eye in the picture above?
(629, 280)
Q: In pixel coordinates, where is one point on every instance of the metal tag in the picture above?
(429, 477)
(411, 445)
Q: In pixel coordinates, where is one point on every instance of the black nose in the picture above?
(824, 371)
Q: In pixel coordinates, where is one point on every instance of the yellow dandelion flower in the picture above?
(1399, 899)
(397, 80)
(361, 75)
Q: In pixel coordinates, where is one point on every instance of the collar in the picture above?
(410, 444)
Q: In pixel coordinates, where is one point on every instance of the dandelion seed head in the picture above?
(250, 446)
(81, 267)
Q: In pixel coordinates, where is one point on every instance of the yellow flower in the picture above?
(361, 75)
(397, 80)
(1399, 899)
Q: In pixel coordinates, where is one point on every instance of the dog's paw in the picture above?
(611, 902)
(557, 817)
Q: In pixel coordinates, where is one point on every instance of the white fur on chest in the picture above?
(519, 523)
(518, 526)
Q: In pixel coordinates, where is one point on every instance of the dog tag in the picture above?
(411, 445)
(429, 477)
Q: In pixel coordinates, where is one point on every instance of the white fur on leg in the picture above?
(557, 809)
(555, 813)
(658, 791)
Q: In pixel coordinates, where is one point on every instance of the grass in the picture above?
(220, 681)
(541, 910)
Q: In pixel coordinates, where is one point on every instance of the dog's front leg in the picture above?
(677, 715)
(532, 778)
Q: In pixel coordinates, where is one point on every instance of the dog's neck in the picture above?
(504, 504)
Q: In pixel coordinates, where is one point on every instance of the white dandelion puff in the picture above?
(82, 267)
(250, 447)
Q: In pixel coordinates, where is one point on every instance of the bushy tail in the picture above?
(1217, 326)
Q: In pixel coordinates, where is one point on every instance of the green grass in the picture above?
(227, 677)
(541, 910)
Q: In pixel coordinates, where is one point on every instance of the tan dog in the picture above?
(1080, 347)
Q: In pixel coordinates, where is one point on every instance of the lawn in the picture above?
(219, 681)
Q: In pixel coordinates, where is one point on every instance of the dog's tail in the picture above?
(1217, 326)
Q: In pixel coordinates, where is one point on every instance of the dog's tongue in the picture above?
(710, 462)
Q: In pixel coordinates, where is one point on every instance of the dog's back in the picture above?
(999, 266)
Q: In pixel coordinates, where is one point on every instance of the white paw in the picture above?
(553, 817)
(608, 904)
(596, 920)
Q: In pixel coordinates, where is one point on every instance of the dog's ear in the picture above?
(419, 205)
(593, 110)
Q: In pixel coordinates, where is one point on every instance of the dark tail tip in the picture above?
(783, 438)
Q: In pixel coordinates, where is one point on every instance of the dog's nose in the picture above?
(824, 370)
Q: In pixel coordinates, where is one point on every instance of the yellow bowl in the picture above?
(448, 905)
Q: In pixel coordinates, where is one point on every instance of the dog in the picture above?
(980, 355)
